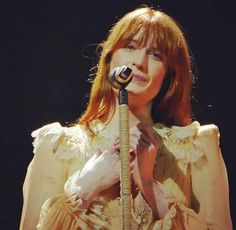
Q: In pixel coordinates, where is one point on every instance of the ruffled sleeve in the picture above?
(50, 132)
(66, 142)
(54, 148)
(60, 213)
(207, 204)
(180, 217)
(45, 175)
(51, 204)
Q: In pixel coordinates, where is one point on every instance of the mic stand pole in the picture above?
(125, 184)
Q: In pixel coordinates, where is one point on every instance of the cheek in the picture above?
(118, 59)
(158, 75)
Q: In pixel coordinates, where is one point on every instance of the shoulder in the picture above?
(208, 138)
(209, 133)
(189, 143)
(64, 142)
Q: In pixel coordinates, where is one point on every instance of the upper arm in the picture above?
(209, 181)
(45, 178)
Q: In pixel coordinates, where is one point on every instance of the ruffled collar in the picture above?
(180, 141)
(71, 142)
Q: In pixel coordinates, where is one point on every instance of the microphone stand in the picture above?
(125, 182)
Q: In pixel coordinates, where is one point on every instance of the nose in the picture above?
(140, 60)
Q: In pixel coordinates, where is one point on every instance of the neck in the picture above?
(142, 114)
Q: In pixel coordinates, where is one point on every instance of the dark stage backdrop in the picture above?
(48, 49)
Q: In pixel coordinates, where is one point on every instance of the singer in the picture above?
(178, 176)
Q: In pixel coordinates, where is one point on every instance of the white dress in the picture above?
(189, 168)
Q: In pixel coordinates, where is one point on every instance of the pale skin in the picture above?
(148, 74)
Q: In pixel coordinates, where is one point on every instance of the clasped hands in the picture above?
(102, 170)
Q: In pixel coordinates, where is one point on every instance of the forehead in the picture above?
(154, 34)
(144, 39)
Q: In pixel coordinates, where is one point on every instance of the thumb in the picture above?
(95, 155)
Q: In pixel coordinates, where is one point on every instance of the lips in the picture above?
(139, 78)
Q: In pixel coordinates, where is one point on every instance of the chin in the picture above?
(135, 89)
(135, 93)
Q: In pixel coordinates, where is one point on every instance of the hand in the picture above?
(99, 173)
(145, 155)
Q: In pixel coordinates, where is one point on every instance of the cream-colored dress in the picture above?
(189, 168)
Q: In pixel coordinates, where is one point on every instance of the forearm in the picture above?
(156, 198)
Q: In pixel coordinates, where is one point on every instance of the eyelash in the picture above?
(130, 46)
(154, 54)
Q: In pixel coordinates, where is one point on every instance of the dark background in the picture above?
(44, 73)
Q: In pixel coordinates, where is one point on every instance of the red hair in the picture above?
(172, 106)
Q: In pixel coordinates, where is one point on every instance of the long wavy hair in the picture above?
(172, 106)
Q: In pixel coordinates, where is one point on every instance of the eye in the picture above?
(130, 46)
(155, 54)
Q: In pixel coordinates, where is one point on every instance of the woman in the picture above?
(179, 179)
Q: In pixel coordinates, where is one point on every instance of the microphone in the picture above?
(120, 76)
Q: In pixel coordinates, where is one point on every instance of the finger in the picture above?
(117, 141)
(134, 132)
(142, 145)
(116, 147)
(149, 132)
(145, 139)
(95, 155)
(132, 166)
(132, 156)
(133, 144)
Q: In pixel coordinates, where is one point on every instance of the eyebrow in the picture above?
(133, 40)
(152, 47)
